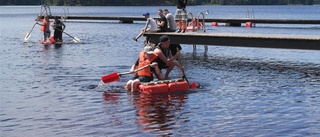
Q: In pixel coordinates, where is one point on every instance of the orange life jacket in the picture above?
(45, 25)
(143, 62)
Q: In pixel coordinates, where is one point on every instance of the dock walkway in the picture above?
(131, 19)
(243, 40)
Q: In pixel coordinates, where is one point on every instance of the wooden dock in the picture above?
(243, 40)
(131, 19)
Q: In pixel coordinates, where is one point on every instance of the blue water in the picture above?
(53, 91)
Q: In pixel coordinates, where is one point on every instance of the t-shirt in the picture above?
(165, 26)
(151, 24)
(171, 22)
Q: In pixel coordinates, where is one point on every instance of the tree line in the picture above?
(155, 2)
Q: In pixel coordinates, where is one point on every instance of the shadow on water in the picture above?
(216, 62)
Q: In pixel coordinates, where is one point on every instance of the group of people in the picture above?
(154, 60)
(57, 25)
(166, 22)
(164, 54)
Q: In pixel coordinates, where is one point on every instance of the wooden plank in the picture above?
(243, 40)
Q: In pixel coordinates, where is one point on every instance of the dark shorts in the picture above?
(143, 79)
(57, 35)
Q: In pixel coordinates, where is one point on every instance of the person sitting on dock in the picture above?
(146, 57)
(151, 26)
(165, 59)
(172, 26)
(45, 27)
(162, 22)
(59, 27)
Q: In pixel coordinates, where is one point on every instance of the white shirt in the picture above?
(151, 25)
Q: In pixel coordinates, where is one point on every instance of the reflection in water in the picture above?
(159, 112)
(111, 98)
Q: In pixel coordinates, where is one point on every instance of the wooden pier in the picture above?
(131, 19)
(243, 40)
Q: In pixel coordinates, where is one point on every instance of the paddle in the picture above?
(75, 39)
(184, 74)
(116, 76)
(27, 36)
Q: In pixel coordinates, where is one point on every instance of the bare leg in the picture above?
(134, 85)
(127, 86)
(140, 34)
(169, 69)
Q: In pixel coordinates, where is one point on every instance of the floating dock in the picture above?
(131, 19)
(305, 42)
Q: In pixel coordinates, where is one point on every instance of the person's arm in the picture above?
(163, 58)
(156, 68)
(160, 22)
(64, 26)
(134, 66)
(147, 24)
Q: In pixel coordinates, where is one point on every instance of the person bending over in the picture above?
(165, 59)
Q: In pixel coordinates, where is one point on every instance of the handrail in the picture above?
(203, 20)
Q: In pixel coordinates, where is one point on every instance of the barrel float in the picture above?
(248, 24)
(178, 86)
(51, 39)
(152, 89)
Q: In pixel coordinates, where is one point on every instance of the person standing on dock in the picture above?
(151, 26)
(45, 27)
(181, 15)
(162, 22)
(165, 59)
(59, 27)
(172, 26)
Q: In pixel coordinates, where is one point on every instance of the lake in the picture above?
(53, 91)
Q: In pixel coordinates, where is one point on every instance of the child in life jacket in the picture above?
(146, 59)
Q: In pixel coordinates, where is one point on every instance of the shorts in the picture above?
(145, 79)
(46, 34)
(181, 14)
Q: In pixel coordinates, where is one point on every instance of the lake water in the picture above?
(53, 91)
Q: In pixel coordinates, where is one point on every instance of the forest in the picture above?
(155, 2)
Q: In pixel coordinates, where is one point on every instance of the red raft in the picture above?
(164, 86)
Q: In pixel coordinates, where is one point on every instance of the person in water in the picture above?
(45, 27)
(146, 57)
(58, 27)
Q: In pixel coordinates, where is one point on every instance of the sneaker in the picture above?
(178, 31)
(134, 39)
(183, 31)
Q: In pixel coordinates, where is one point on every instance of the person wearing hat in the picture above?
(146, 57)
(165, 59)
(151, 26)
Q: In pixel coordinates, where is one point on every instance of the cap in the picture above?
(145, 14)
(148, 49)
(164, 38)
